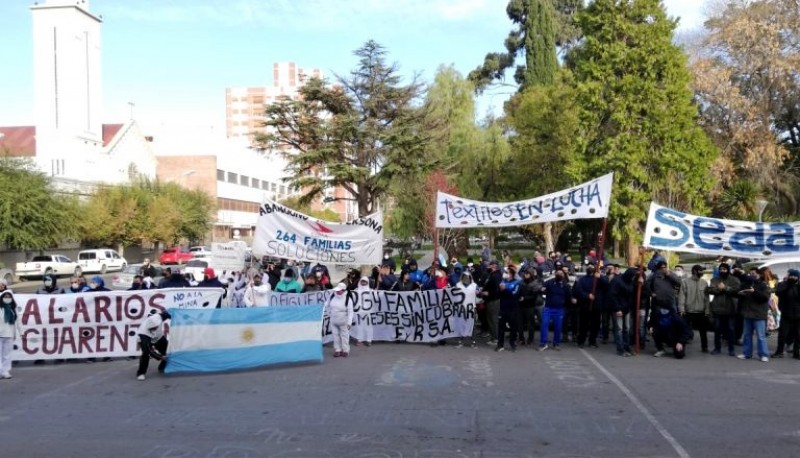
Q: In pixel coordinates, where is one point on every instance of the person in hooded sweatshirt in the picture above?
(530, 299)
(9, 330)
(257, 292)
(340, 311)
(455, 276)
(725, 290)
(364, 317)
(137, 283)
(97, 284)
(50, 286)
(210, 280)
(509, 303)
(77, 285)
(289, 283)
(557, 296)
(153, 343)
(622, 301)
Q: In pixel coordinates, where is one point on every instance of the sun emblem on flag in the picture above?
(248, 335)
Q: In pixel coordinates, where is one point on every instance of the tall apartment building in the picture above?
(244, 106)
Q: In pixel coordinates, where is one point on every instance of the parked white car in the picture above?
(49, 264)
(102, 261)
(779, 267)
(200, 251)
(196, 268)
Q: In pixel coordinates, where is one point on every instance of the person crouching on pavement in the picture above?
(340, 310)
(669, 328)
(153, 343)
(9, 330)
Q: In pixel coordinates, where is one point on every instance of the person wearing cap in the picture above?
(50, 286)
(153, 343)
(9, 330)
(289, 283)
(340, 311)
(257, 292)
(788, 292)
(725, 290)
(754, 307)
(694, 304)
(210, 280)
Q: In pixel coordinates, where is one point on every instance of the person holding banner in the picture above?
(557, 297)
(725, 290)
(9, 330)
(364, 318)
(153, 343)
(340, 311)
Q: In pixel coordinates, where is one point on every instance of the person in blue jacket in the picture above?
(509, 301)
(557, 295)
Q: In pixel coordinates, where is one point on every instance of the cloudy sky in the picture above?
(174, 58)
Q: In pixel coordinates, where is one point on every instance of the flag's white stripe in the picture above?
(221, 336)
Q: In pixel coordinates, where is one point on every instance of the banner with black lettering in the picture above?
(584, 201)
(285, 233)
(415, 316)
(673, 230)
(91, 325)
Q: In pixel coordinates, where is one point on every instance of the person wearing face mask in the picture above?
(147, 269)
(509, 303)
(153, 343)
(288, 283)
(137, 283)
(441, 278)
(77, 285)
(9, 330)
(490, 292)
(590, 291)
(311, 284)
(97, 284)
(416, 276)
(788, 292)
(257, 292)
(530, 299)
(50, 286)
(754, 307)
(557, 297)
(340, 311)
(694, 304)
(725, 290)
(468, 286)
(210, 280)
(364, 317)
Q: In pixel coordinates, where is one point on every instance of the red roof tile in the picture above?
(109, 132)
(18, 141)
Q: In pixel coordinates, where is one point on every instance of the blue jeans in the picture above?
(622, 327)
(724, 326)
(760, 326)
(557, 315)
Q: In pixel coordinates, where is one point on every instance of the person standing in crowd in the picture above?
(388, 261)
(166, 278)
(97, 284)
(455, 275)
(509, 303)
(530, 298)
(468, 286)
(387, 281)
(50, 286)
(694, 304)
(725, 290)
(340, 311)
(147, 269)
(257, 292)
(137, 283)
(589, 291)
(557, 296)
(9, 330)
(77, 285)
(311, 284)
(607, 314)
(491, 297)
(754, 306)
(273, 275)
(236, 289)
(210, 280)
(788, 292)
(440, 280)
(153, 343)
(352, 279)
(669, 329)
(288, 283)
(621, 298)
(570, 321)
(364, 317)
(405, 283)
(664, 286)
(655, 261)
(416, 276)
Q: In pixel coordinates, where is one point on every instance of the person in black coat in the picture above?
(670, 329)
(210, 280)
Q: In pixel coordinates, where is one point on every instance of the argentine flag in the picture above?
(243, 338)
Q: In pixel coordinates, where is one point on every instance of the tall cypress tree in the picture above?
(637, 116)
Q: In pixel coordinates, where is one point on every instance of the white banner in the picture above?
(92, 325)
(284, 233)
(416, 316)
(228, 257)
(585, 201)
(673, 230)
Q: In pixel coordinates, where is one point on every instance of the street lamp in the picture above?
(761, 205)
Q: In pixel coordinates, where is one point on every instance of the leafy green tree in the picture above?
(32, 215)
(363, 133)
(637, 117)
(541, 25)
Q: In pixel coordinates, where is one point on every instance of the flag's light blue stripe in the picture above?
(278, 314)
(244, 358)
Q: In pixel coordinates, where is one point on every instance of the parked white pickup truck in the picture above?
(50, 264)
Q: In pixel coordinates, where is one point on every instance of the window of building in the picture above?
(283, 189)
(232, 177)
(265, 185)
(244, 180)
(220, 175)
(254, 183)
(274, 187)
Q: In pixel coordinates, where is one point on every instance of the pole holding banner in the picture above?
(639, 285)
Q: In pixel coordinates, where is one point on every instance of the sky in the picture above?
(173, 59)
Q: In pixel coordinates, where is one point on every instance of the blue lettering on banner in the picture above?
(683, 232)
(713, 227)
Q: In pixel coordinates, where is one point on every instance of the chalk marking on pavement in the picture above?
(652, 419)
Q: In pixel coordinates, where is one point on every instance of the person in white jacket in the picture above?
(153, 342)
(340, 311)
(9, 330)
(364, 329)
(257, 293)
(468, 286)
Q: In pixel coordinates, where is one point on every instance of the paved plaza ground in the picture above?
(412, 400)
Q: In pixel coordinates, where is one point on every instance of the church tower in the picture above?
(67, 78)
